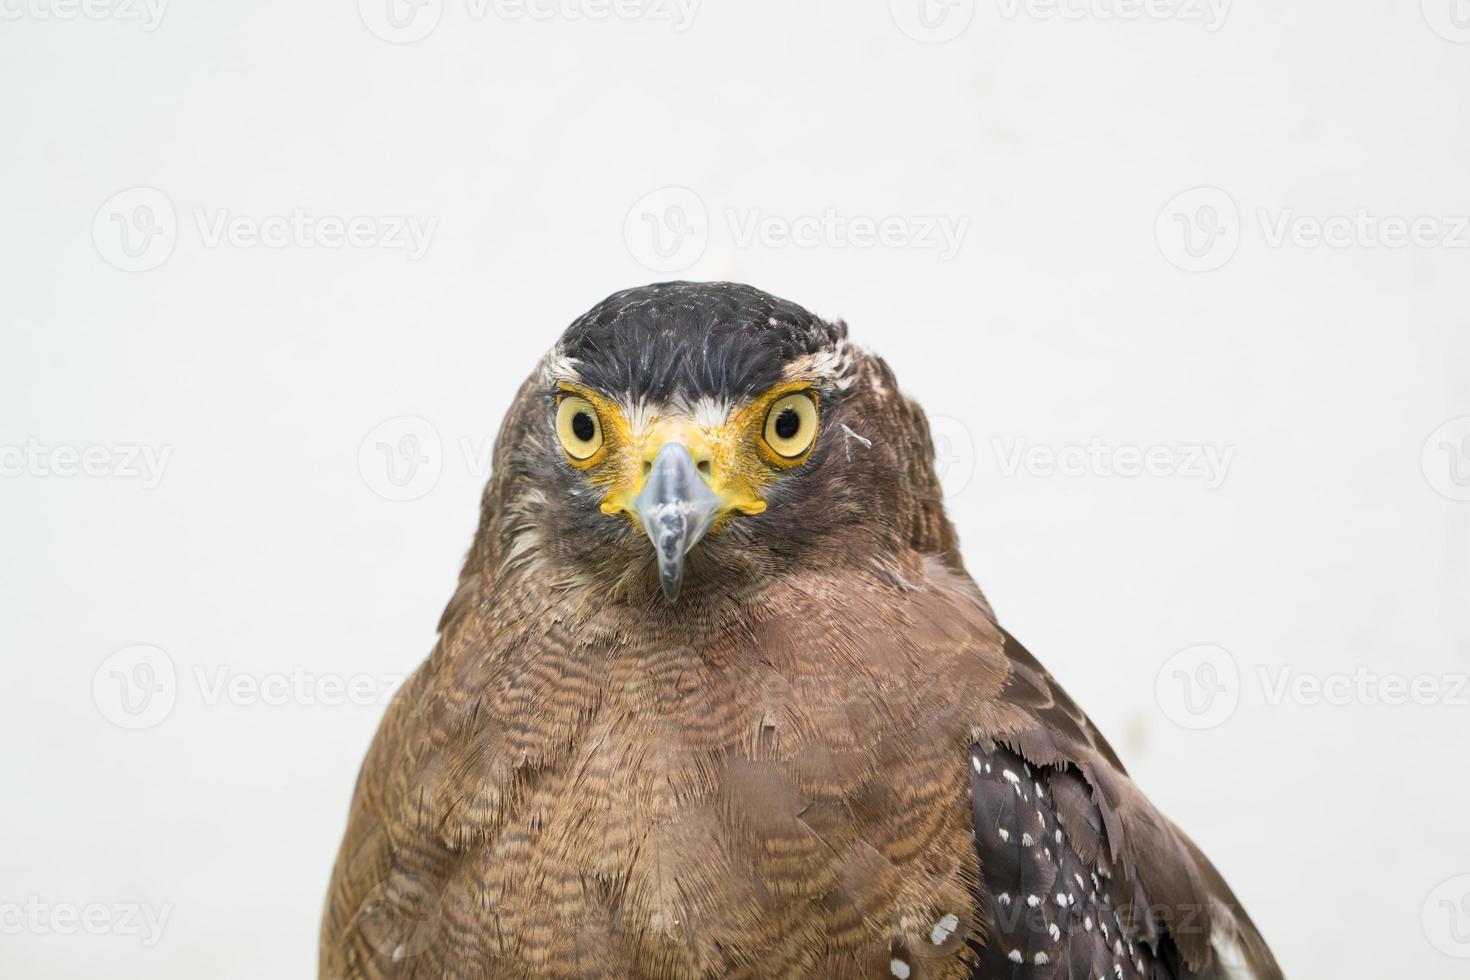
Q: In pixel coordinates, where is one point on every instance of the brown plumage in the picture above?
(824, 758)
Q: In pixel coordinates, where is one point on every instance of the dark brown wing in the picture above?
(1081, 877)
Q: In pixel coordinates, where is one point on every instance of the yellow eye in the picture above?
(578, 427)
(791, 425)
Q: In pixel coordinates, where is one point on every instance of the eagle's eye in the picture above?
(578, 427)
(791, 425)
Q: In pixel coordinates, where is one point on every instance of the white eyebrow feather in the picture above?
(558, 367)
(640, 414)
(833, 364)
(711, 412)
(708, 412)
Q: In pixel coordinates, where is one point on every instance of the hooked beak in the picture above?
(676, 507)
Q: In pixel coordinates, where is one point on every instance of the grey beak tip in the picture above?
(676, 507)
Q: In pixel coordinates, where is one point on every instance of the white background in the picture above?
(1332, 542)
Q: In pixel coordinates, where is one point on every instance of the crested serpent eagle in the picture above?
(716, 697)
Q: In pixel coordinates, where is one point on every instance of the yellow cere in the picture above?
(738, 459)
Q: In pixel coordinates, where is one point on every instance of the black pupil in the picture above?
(583, 427)
(788, 423)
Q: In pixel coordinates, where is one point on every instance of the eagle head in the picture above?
(697, 438)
